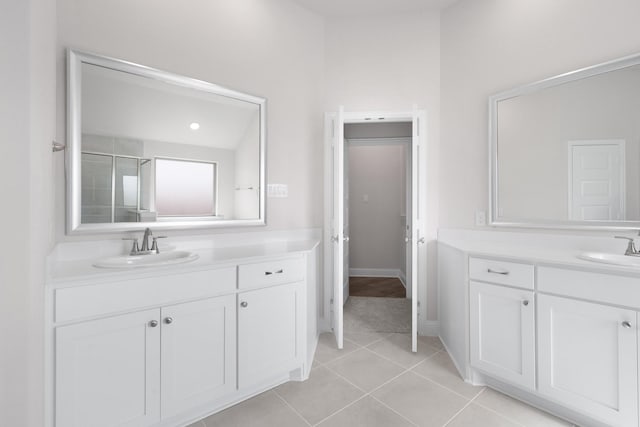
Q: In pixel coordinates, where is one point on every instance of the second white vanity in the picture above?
(165, 346)
(522, 313)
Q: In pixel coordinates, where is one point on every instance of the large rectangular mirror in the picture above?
(565, 152)
(147, 148)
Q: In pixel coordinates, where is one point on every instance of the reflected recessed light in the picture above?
(194, 126)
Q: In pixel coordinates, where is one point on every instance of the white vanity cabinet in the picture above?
(502, 319)
(128, 369)
(169, 349)
(198, 353)
(503, 332)
(588, 358)
(269, 333)
(108, 371)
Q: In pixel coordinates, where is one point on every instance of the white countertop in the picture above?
(82, 270)
(560, 251)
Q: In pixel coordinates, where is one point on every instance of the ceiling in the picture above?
(372, 7)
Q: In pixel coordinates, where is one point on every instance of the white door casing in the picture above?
(335, 233)
(596, 179)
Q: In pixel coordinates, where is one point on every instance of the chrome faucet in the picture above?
(144, 249)
(631, 246)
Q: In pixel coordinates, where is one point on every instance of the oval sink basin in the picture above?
(150, 260)
(605, 258)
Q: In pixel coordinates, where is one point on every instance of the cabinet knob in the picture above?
(244, 304)
(153, 323)
(626, 324)
(525, 302)
(168, 320)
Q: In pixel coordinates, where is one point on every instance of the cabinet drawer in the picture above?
(97, 300)
(502, 272)
(599, 287)
(275, 272)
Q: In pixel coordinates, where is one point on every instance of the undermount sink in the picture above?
(150, 260)
(615, 259)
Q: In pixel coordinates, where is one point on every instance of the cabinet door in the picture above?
(108, 372)
(503, 333)
(198, 353)
(588, 358)
(269, 335)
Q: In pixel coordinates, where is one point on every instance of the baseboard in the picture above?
(403, 279)
(429, 328)
(376, 272)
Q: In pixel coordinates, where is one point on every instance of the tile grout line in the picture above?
(292, 408)
(462, 409)
(369, 394)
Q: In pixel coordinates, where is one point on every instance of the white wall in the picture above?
(376, 205)
(272, 49)
(390, 63)
(494, 45)
(27, 34)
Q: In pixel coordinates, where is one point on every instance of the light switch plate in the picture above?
(481, 218)
(277, 190)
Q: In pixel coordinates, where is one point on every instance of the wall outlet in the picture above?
(277, 190)
(481, 218)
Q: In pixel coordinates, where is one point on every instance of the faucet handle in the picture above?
(154, 245)
(631, 247)
(135, 248)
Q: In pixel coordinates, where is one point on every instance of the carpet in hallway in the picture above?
(367, 314)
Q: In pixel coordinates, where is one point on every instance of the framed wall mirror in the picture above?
(565, 151)
(147, 148)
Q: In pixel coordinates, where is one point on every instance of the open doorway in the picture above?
(345, 131)
(377, 199)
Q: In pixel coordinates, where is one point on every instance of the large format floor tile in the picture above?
(518, 411)
(440, 368)
(397, 348)
(422, 401)
(320, 396)
(327, 349)
(365, 369)
(366, 412)
(264, 410)
(477, 416)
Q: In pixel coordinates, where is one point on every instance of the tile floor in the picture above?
(376, 381)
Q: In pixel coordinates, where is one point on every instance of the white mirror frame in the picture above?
(493, 149)
(74, 141)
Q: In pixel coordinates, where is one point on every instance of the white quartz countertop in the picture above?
(521, 249)
(67, 271)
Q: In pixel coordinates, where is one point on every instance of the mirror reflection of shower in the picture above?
(115, 188)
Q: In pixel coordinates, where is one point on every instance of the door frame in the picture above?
(621, 144)
(418, 118)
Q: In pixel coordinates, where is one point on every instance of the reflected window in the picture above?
(185, 188)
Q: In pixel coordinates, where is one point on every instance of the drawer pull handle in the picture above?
(153, 323)
(269, 273)
(503, 272)
(168, 320)
(244, 304)
(525, 302)
(626, 324)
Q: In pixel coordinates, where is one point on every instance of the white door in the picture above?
(503, 332)
(597, 180)
(418, 217)
(339, 229)
(269, 336)
(198, 353)
(338, 234)
(108, 372)
(588, 358)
